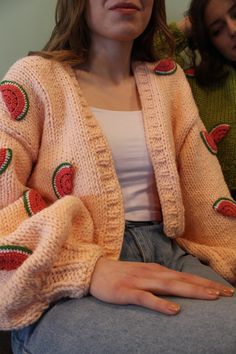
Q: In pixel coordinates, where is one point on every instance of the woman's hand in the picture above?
(137, 283)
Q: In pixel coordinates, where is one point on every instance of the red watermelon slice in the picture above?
(33, 202)
(219, 132)
(63, 180)
(5, 159)
(15, 98)
(11, 257)
(190, 72)
(209, 142)
(225, 207)
(165, 67)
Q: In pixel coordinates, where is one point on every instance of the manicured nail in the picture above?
(174, 308)
(228, 292)
(213, 292)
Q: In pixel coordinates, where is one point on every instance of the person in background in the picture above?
(210, 27)
(114, 213)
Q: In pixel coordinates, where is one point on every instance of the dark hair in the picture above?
(70, 39)
(211, 69)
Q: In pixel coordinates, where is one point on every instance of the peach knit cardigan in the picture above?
(61, 203)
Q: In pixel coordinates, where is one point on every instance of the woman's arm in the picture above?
(47, 248)
(209, 213)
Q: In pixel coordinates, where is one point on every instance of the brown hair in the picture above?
(211, 69)
(70, 39)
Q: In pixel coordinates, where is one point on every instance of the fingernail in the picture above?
(213, 292)
(174, 308)
(228, 292)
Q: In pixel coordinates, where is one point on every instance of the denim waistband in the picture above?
(130, 223)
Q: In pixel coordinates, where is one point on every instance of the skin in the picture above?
(220, 19)
(111, 20)
(109, 67)
(141, 284)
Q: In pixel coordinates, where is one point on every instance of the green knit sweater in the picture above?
(217, 105)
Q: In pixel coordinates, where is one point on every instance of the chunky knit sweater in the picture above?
(61, 203)
(217, 108)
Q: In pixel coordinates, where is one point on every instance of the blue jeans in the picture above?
(87, 325)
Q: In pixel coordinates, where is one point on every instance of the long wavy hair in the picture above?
(211, 69)
(70, 40)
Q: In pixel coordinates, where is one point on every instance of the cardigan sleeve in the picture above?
(47, 250)
(210, 212)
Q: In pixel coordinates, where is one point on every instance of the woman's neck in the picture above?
(106, 78)
(109, 60)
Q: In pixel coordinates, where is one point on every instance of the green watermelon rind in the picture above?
(12, 257)
(210, 148)
(60, 167)
(27, 203)
(13, 248)
(23, 92)
(168, 72)
(7, 161)
(220, 201)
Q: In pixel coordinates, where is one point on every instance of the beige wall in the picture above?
(176, 8)
(26, 25)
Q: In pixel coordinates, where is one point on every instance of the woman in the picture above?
(92, 135)
(211, 28)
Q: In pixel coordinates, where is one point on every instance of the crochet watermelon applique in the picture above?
(15, 98)
(62, 180)
(209, 142)
(11, 257)
(165, 67)
(225, 207)
(214, 137)
(33, 202)
(5, 159)
(219, 132)
(190, 72)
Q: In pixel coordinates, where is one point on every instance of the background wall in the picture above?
(176, 8)
(26, 25)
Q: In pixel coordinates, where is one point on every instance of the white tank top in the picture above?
(125, 134)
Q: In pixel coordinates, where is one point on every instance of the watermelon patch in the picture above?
(33, 202)
(165, 67)
(225, 207)
(209, 142)
(62, 180)
(12, 257)
(190, 72)
(219, 132)
(15, 98)
(5, 159)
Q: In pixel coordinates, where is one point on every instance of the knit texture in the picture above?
(216, 104)
(61, 203)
